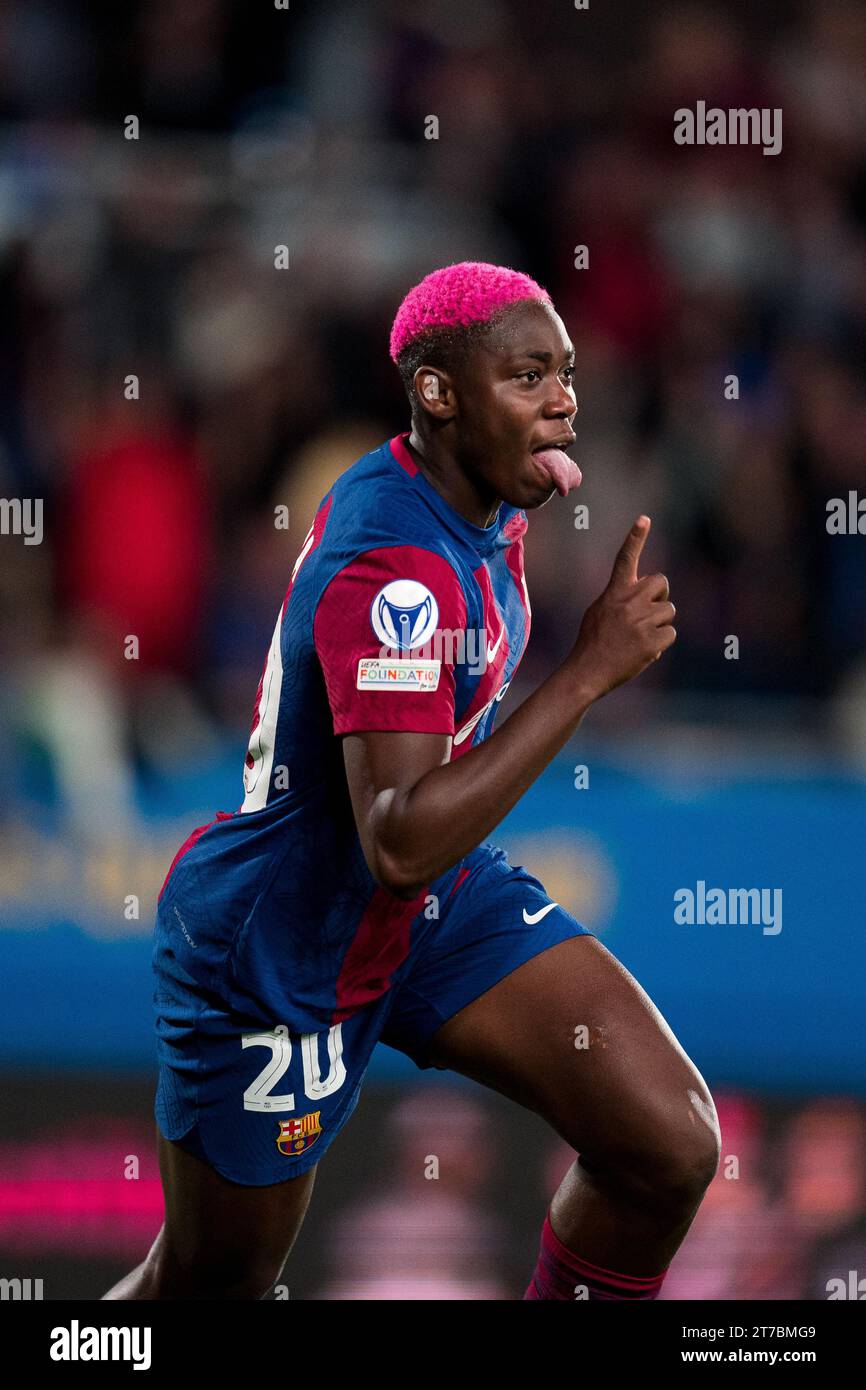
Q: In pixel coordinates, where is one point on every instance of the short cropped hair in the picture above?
(446, 312)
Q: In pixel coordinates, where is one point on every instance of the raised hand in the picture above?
(629, 625)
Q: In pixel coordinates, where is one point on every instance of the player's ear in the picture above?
(435, 392)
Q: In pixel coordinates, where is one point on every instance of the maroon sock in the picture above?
(561, 1274)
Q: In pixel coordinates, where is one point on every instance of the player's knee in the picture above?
(671, 1167)
(684, 1169)
(666, 1179)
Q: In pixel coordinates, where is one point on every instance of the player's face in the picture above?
(516, 404)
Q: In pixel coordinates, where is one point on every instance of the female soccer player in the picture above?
(354, 898)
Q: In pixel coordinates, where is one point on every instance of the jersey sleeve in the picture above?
(387, 629)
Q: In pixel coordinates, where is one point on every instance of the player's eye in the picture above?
(569, 373)
(534, 372)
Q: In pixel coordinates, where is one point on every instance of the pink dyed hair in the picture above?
(468, 292)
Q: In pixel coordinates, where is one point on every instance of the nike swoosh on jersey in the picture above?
(467, 728)
(533, 917)
(491, 651)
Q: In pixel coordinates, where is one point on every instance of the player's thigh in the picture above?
(220, 1232)
(571, 1035)
(243, 1113)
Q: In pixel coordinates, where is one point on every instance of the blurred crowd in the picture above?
(165, 387)
(447, 1199)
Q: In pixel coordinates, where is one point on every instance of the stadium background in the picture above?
(154, 257)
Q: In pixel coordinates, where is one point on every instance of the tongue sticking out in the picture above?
(562, 471)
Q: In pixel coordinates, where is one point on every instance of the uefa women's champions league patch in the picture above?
(404, 614)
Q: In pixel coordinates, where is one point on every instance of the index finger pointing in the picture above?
(625, 565)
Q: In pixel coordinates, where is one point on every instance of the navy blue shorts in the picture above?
(263, 1106)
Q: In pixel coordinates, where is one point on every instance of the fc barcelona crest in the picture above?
(297, 1135)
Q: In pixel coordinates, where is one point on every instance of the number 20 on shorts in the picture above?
(258, 1095)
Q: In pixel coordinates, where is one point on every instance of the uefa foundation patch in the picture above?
(297, 1135)
(398, 673)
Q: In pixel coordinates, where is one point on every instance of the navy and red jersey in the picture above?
(400, 614)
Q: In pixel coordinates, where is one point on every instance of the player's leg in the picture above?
(244, 1114)
(631, 1103)
(219, 1240)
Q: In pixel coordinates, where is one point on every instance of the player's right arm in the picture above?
(418, 813)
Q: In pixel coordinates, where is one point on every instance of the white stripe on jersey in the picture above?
(257, 779)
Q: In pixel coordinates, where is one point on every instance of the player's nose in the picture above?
(561, 403)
